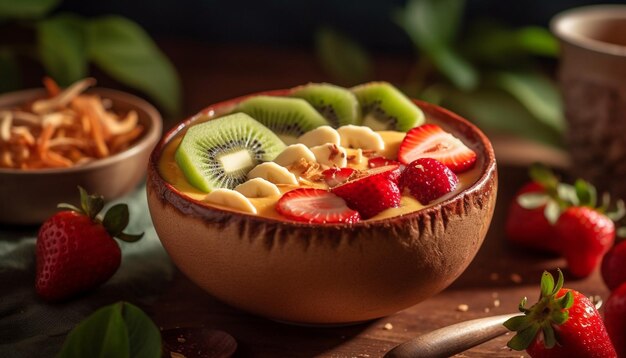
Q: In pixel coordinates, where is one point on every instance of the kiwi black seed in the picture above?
(384, 107)
(219, 153)
(288, 117)
(337, 104)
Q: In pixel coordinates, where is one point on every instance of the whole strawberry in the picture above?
(75, 249)
(613, 266)
(585, 235)
(578, 227)
(563, 323)
(615, 319)
(529, 227)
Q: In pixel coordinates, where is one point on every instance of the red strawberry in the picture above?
(76, 251)
(585, 235)
(335, 176)
(529, 226)
(315, 206)
(372, 191)
(613, 266)
(428, 179)
(615, 319)
(381, 162)
(431, 141)
(564, 323)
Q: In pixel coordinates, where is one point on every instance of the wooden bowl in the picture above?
(325, 274)
(31, 196)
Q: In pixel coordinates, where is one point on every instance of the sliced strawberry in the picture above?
(315, 206)
(381, 162)
(335, 176)
(372, 190)
(428, 179)
(431, 141)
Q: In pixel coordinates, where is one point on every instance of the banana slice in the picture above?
(257, 188)
(231, 199)
(360, 137)
(320, 135)
(355, 156)
(293, 153)
(274, 173)
(330, 155)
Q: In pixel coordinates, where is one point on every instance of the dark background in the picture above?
(293, 23)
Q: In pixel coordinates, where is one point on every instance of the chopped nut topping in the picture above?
(311, 171)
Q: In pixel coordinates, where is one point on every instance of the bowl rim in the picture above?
(487, 174)
(147, 140)
(562, 24)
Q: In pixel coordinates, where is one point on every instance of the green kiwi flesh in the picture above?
(337, 104)
(384, 107)
(288, 117)
(219, 153)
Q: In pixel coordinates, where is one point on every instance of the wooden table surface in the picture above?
(497, 279)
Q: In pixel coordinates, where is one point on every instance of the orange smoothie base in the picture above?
(169, 170)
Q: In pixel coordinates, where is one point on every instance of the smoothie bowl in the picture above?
(266, 206)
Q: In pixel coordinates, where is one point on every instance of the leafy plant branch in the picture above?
(65, 44)
(485, 71)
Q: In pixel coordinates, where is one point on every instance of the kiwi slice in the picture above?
(384, 107)
(288, 117)
(219, 153)
(337, 104)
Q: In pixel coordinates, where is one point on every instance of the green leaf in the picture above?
(547, 284)
(543, 175)
(538, 94)
(532, 200)
(144, 337)
(119, 330)
(431, 23)
(560, 317)
(619, 212)
(549, 340)
(433, 26)
(559, 282)
(567, 193)
(9, 71)
(126, 52)
(567, 300)
(586, 193)
(621, 232)
(606, 201)
(552, 212)
(522, 305)
(129, 237)
(116, 219)
(454, 67)
(517, 323)
(524, 337)
(103, 334)
(61, 45)
(26, 9)
(90, 204)
(493, 43)
(537, 41)
(342, 57)
(496, 111)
